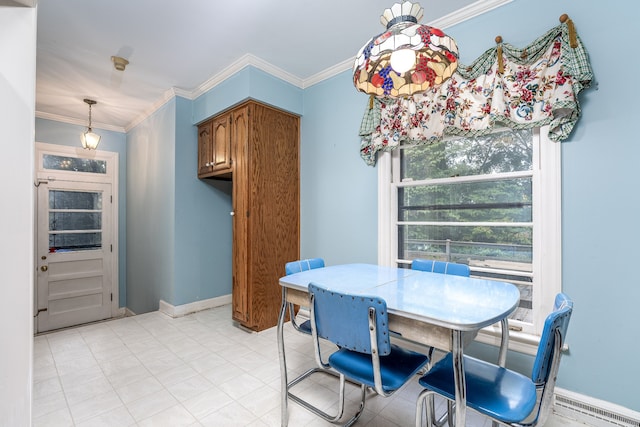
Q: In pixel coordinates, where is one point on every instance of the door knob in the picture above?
(44, 268)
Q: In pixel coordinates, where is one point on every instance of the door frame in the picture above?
(111, 177)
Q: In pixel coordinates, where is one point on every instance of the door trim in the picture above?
(111, 177)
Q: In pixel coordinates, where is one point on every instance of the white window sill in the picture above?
(518, 341)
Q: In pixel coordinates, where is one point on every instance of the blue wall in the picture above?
(151, 210)
(53, 132)
(182, 253)
(202, 221)
(338, 199)
(248, 83)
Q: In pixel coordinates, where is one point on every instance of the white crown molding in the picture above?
(454, 18)
(345, 65)
(242, 62)
(460, 15)
(19, 3)
(467, 12)
(167, 96)
(80, 122)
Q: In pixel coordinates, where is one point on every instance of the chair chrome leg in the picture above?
(284, 415)
(426, 400)
(307, 405)
(363, 397)
(451, 413)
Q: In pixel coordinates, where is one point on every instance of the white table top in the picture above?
(454, 302)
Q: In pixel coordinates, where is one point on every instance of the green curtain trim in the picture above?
(575, 62)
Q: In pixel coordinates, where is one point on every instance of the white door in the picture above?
(74, 253)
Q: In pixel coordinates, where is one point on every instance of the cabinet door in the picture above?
(273, 220)
(221, 145)
(205, 135)
(242, 292)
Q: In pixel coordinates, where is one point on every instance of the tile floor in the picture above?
(197, 370)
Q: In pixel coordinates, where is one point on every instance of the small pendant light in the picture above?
(90, 140)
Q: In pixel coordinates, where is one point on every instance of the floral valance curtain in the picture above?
(505, 87)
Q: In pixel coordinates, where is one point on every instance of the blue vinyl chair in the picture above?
(359, 326)
(505, 396)
(296, 267)
(305, 328)
(441, 267)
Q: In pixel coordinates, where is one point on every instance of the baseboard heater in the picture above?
(592, 411)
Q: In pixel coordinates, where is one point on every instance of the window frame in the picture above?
(547, 236)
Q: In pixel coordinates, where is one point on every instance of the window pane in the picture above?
(74, 241)
(506, 151)
(74, 164)
(495, 253)
(508, 248)
(489, 201)
(75, 200)
(75, 221)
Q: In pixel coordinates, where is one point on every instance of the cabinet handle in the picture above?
(232, 213)
(207, 164)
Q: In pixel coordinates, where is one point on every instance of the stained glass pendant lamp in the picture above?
(89, 139)
(407, 58)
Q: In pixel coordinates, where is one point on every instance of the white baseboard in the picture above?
(181, 310)
(592, 411)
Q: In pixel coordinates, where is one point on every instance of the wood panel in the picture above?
(274, 207)
(241, 292)
(204, 148)
(215, 153)
(221, 145)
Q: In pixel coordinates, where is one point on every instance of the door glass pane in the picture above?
(75, 220)
(74, 242)
(59, 199)
(74, 164)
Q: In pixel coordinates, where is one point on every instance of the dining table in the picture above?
(431, 309)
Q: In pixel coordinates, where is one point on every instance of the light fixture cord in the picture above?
(89, 117)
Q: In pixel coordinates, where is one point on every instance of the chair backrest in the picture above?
(441, 267)
(556, 322)
(303, 265)
(547, 362)
(344, 319)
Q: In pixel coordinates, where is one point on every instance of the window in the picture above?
(492, 202)
(75, 164)
(75, 221)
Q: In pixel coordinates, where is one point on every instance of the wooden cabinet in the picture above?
(264, 164)
(214, 148)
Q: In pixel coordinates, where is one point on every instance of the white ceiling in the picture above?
(182, 45)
